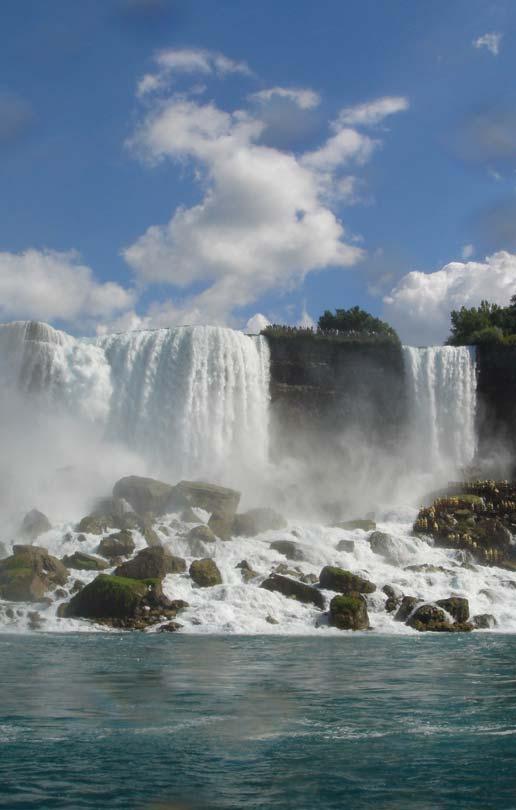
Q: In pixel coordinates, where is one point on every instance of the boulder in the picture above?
(294, 589)
(349, 612)
(93, 524)
(456, 606)
(151, 537)
(84, 562)
(209, 497)
(309, 579)
(202, 533)
(430, 618)
(408, 604)
(120, 544)
(170, 627)
(255, 521)
(205, 573)
(221, 502)
(29, 573)
(151, 563)
(332, 578)
(484, 621)
(247, 572)
(188, 515)
(346, 545)
(33, 524)
(393, 598)
(385, 546)
(361, 523)
(147, 495)
(291, 550)
(121, 602)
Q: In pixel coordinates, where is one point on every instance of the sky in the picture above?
(167, 162)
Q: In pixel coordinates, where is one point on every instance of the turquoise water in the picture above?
(159, 721)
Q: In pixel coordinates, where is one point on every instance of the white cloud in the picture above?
(188, 61)
(262, 223)
(49, 285)
(256, 324)
(372, 112)
(468, 251)
(266, 216)
(490, 41)
(304, 98)
(419, 306)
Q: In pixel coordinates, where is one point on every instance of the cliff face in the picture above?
(496, 404)
(321, 387)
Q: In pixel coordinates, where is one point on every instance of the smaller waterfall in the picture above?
(442, 395)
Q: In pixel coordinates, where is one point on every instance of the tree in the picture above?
(486, 323)
(355, 321)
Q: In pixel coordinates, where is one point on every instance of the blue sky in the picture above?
(182, 161)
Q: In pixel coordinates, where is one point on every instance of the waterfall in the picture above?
(194, 399)
(188, 401)
(442, 398)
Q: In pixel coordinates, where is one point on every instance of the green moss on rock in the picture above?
(337, 579)
(349, 612)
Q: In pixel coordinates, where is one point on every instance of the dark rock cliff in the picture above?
(323, 387)
(496, 406)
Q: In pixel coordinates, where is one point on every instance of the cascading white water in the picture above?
(442, 404)
(191, 399)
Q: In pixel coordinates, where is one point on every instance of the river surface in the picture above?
(175, 721)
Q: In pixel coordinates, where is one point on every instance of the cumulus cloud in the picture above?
(419, 306)
(50, 285)
(372, 112)
(266, 214)
(468, 251)
(256, 323)
(187, 60)
(304, 98)
(489, 41)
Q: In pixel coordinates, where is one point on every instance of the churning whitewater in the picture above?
(193, 402)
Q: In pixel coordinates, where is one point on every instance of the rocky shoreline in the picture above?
(476, 519)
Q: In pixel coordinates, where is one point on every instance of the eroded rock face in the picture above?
(119, 544)
(255, 521)
(205, 573)
(121, 602)
(146, 495)
(84, 562)
(294, 589)
(349, 612)
(332, 578)
(34, 524)
(29, 573)
(151, 563)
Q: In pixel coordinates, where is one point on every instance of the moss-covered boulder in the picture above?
(431, 618)
(121, 602)
(221, 502)
(151, 563)
(349, 612)
(255, 521)
(351, 525)
(332, 578)
(84, 562)
(291, 550)
(205, 573)
(294, 589)
(456, 606)
(29, 573)
(34, 524)
(119, 544)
